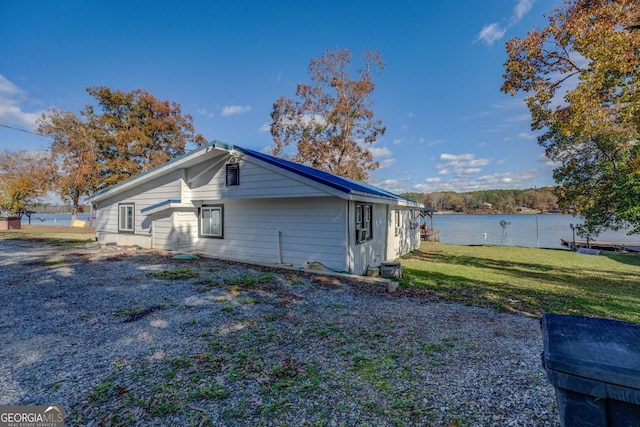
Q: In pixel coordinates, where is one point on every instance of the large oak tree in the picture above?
(332, 122)
(138, 132)
(581, 75)
(25, 177)
(75, 149)
(130, 133)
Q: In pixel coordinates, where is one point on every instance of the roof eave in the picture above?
(171, 165)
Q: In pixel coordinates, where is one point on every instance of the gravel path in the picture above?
(124, 337)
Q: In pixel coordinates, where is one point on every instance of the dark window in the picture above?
(233, 174)
(364, 222)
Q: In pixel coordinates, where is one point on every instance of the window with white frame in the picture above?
(211, 221)
(397, 222)
(364, 222)
(126, 217)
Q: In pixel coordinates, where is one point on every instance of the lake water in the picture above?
(62, 219)
(522, 230)
(463, 229)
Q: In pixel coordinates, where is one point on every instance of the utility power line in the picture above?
(23, 130)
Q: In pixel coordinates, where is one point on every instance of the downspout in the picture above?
(348, 242)
(386, 234)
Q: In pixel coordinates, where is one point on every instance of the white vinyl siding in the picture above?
(254, 182)
(163, 233)
(287, 231)
(370, 252)
(403, 237)
(186, 230)
(108, 217)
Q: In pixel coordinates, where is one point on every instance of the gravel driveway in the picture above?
(124, 337)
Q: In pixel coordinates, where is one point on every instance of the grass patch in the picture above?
(182, 273)
(529, 280)
(53, 263)
(249, 280)
(53, 235)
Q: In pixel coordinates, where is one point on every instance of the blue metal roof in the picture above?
(345, 185)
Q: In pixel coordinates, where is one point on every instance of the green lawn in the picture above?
(527, 280)
(55, 235)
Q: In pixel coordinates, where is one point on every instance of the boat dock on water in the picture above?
(602, 245)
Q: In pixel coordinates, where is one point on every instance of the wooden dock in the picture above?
(610, 246)
(430, 236)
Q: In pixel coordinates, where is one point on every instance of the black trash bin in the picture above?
(594, 365)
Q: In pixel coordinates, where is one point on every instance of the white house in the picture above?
(233, 203)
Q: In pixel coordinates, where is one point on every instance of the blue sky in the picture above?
(449, 128)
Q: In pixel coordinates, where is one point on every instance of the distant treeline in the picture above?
(48, 208)
(485, 201)
(489, 201)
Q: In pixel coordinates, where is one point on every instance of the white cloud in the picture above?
(490, 33)
(203, 111)
(460, 165)
(522, 8)
(394, 185)
(266, 127)
(386, 163)
(230, 110)
(542, 158)
(380, 151)
(493, 32)
(447, 156)
(464, 183)
(526, 135)
(11, 112)
(411, 115)
(467, 171)
(7, 88)
(385, 154)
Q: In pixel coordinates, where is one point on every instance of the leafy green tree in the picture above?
(25, 177)
(333, 122)
(581, 75)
